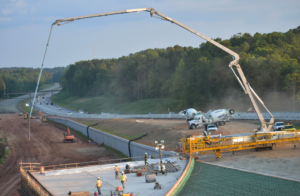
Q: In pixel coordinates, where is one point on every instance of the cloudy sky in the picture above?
(25, 26)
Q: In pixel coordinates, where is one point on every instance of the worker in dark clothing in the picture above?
(146, 159)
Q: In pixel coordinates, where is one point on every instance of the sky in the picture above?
(25, 27)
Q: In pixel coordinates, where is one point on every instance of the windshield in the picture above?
(289, 127)
(280, 124)
(211, 126)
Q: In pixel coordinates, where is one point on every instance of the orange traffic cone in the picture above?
(95, 193)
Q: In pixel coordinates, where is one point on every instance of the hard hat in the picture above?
(116, 165)
(145, 152)
(122, 172)
(98, 177)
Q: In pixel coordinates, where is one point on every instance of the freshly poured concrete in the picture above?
(86, 181)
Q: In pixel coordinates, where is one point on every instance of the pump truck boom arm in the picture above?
(243, 82)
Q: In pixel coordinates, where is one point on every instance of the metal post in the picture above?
(28, 128)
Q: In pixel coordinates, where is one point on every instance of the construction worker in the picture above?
(146, 159)
(99, 185)
(123, 177)
(117, 169)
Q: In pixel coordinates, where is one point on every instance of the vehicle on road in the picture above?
(47, 103)
(116, 114)
(251, 110)
(20, 113)
(288, 127)
(51, 103)
(211, 127)
(88, 113)
(69, 113)
(278, 126)
(81, 111)
(172, 112)
(59, 108)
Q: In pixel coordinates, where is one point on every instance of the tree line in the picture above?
(195, 77)
(21, 79)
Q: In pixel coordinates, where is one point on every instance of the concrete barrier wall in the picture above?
(113, 141)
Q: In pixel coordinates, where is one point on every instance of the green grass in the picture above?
(109, 104)
(24, 108)
(44, 86)
(78, 133)
(6, 154)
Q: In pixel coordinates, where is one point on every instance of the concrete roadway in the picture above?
(12, 105)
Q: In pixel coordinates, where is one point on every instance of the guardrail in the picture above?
(93, 163)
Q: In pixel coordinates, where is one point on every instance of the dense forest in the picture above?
(197, 77)
(21, 79)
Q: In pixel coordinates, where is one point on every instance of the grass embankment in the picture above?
(26, 109)
(44, 86)
(109, 104)
(78, 133)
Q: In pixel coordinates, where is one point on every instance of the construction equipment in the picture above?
(217, 117)
(20, 113)
(26, 116)
(201, 144)
(69, 137)
(44, 119)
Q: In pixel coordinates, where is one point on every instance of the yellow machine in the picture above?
(44, 119)
(26, 116)
(199, 145)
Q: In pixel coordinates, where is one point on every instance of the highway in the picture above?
(12, 105)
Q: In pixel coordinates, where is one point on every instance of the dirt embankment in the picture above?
(171, 131)
(45, 146)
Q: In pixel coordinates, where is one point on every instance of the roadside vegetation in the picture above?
(111, 104)
(26, 109)
(4, 153)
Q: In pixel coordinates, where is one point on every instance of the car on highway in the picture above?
(47, 103)
(51, 103)
(115, 114)
(88, 113)
(69, 113)
(59, 108)
(278, 126)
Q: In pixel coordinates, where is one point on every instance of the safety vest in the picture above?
(99, 183)
(117, 169)
(123, 177)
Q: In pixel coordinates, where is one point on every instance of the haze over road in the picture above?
(11, 105)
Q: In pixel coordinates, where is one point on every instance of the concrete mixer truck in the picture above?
(217, 117)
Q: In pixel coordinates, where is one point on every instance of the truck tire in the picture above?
(222, 123)
(193, 126)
